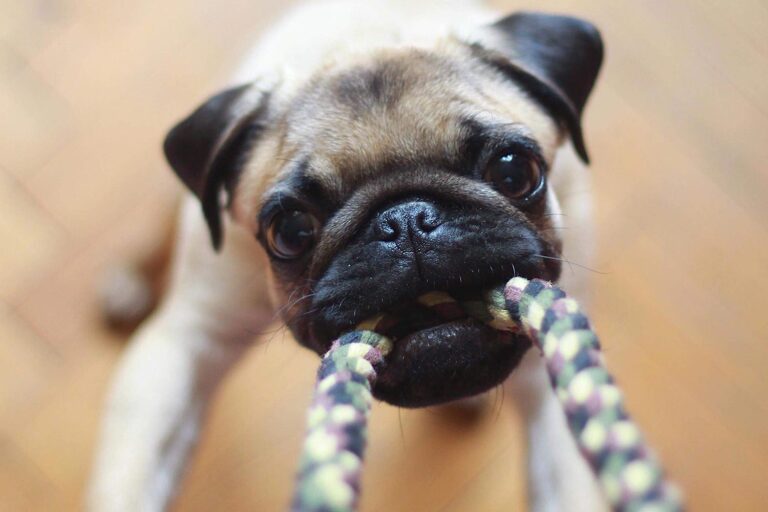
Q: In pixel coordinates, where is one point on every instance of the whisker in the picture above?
(278, 331)
(500, 406)
(503, 395)
(272, 333)
(291, 305)
(572, 264)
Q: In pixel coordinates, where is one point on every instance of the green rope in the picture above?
(627, 471)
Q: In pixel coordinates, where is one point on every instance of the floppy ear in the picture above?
(554, 58)
(206, 150)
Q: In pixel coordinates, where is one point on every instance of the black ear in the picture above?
(556, 59)
(206, 149)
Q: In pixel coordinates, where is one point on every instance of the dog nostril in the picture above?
(408, 218)
(387, 230)
(426, 221)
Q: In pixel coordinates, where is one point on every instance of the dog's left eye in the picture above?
(516, 176)
(291, 234)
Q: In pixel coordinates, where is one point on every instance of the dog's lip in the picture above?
(322, 334)
(408, 303)
(444, 328)
(441, 358)
(445, 362)
(412, 317)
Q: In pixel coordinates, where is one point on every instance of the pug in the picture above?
(369, 155)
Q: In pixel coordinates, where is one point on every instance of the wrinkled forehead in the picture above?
(398, 110)
(404, 107)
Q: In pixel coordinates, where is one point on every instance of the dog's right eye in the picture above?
(291, 234)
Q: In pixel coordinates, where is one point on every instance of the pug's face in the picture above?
(402, 172)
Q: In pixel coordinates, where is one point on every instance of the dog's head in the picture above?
(397, 173)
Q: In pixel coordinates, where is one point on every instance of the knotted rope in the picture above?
(627, 471)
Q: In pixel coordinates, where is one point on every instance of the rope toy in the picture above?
(626, 469)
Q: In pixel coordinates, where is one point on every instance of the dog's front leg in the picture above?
(559, 479)
(215, 306)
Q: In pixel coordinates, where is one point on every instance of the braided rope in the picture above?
(627, 471)
(337, 431)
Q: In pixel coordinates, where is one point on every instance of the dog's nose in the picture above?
(411, 220)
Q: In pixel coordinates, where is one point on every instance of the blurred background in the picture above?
(678, 134)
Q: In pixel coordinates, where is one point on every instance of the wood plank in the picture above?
(31, 237)
(22, 484)
(36, 122)
(29, 366)
(676, 131)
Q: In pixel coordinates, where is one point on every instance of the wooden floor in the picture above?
(678, 129)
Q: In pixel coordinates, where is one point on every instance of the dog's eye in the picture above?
(291, 234)
(515, 176)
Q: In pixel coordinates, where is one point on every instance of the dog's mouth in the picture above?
(437, 356)
(441, 354)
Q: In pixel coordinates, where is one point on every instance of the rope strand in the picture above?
(627, 470)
